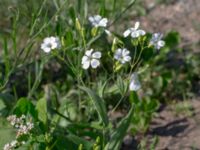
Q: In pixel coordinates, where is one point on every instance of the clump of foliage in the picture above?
(71, 71)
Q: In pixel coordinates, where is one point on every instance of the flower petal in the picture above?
(161, 43)
(89, 52)
(134, 86)
(86, 64)
(134, 82)
(135, 34)
(47, 40)
(46, 49)
(91, 19)
(103, 22)
(125, 52)
(141, 32)
(127, 32)
(54, 45)
(95, 63)
(137, 24)
(122, 61)
(118, 54)
(97, 18)
(96, 55)
(127, 58)
(85, 59)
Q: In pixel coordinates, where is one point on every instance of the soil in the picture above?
(179, 15)
(177, 131)
(176, 126)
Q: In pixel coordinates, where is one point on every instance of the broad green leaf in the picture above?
(147, 53)
(99, 104)
(172, 39)
(25, 106)
(118, 135)
(41, 107)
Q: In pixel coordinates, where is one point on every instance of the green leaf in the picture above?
(25, 106)
(147, 53)
(80, 141)
(6, 57)
(41, 107)
(133, 98)
(120, 132)
(172, 39)
(99, 104)
(7, 99)
(121, 85)
(72, 14)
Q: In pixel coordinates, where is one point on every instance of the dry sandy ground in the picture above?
(177, 131)
(180, 15)
(176, 126)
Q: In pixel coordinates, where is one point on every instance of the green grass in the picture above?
(6, 131)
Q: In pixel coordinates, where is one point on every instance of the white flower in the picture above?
(134, 32)
(7, 147)
(91, 59)
(122, 55)
(10, 146)
(50, 43)
(134, 82)
(13, 120)
(20, 124)
(98, 21)
(156, 40)
(25, 129)
(23, 142)
(14, 143)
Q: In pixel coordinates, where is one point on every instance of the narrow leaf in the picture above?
(99, 104)
(120, 132)
(80, 141)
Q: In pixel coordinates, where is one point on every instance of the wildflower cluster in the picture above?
(23, 128)
(92, 57)
(11, 145)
